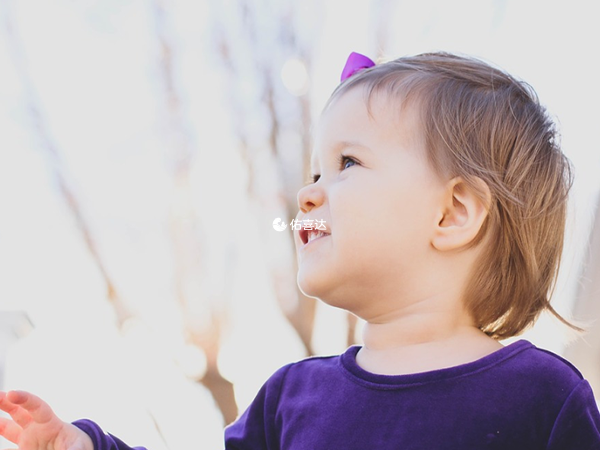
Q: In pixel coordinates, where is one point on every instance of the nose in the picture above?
(309, 197)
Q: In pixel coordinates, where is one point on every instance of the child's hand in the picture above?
(34, 426)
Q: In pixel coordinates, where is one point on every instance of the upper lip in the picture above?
(303, 233)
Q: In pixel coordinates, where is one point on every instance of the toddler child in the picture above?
(443, 192)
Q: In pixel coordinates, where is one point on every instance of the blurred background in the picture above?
(146, 148)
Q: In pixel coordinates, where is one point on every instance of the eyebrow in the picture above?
(346, 144)
(353, 144)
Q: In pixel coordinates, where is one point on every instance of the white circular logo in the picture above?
(279, 224)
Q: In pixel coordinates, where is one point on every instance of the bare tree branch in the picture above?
(47, 144)
(186, 229)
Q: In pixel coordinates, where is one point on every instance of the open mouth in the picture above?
(307, 236)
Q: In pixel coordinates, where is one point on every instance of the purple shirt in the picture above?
(518, 398)
(102, 440)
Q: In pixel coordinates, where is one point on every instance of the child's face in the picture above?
(380, 210)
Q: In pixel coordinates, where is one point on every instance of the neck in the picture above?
(414, 328)
(422, 339)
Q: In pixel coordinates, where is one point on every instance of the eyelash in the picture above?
(341, 159)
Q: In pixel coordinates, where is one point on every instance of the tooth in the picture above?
(314, 235)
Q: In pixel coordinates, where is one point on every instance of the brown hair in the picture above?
(480, 122)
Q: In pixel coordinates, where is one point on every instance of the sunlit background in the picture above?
(146, 148)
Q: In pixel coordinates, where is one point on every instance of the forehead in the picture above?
(354, 120)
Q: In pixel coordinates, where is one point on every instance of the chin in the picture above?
(319, 287)
(310, 284)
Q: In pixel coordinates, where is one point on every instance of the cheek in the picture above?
(360, 214)
(388, 219)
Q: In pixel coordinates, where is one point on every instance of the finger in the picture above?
(17, 413)
(39, 410)
(10, 430)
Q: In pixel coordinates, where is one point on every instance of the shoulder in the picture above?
(559, 362)
(545, 364)
(303, 368)
(537, 376)
(310, 365)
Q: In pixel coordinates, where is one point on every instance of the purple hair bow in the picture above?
(354, 63)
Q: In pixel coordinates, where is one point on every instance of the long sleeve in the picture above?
(578, 423)
(102, 440)
(257, 428)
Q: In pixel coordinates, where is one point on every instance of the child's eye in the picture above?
(343, 159)
(342, 162)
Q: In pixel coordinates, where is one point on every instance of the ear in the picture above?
(462, 214)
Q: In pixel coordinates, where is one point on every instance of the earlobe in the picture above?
(462, 214)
